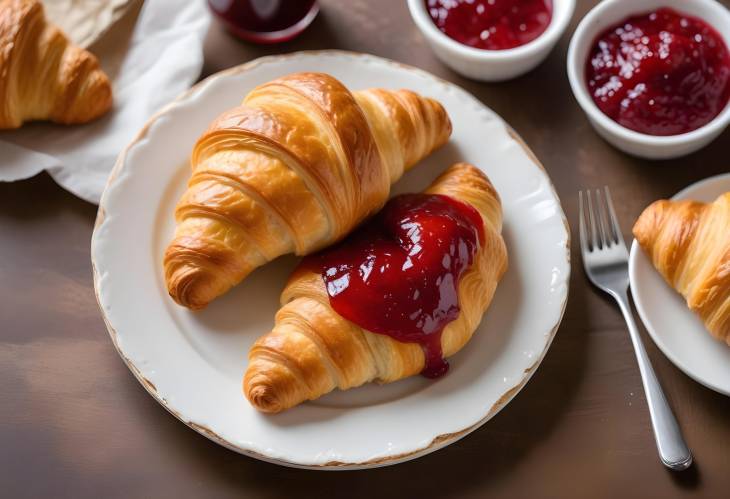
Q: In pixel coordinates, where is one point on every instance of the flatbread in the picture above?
(84, 21)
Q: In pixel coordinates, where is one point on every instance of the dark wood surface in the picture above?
(75, 423)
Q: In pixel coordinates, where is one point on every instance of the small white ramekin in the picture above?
(610, 12)
(492, 65)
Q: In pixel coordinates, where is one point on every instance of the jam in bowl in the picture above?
(491, 24)
(652, 75)
(492, 40)
(659, 73)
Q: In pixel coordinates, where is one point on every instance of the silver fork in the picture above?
(606, 262)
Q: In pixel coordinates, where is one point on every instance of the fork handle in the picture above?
(673, 450)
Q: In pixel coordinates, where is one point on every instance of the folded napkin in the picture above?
(163, 57)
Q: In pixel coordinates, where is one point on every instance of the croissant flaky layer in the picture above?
(689, 244)
(293, 169)
(313, 350)
(43, 76)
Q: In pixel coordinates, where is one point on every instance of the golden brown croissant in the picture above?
(689, 244)
(313, 350)
(293, 169)
(43, 76)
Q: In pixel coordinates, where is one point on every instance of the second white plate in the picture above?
(678, 332)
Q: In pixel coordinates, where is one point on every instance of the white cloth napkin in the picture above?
(163, 58)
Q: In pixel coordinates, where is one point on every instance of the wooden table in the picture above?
(75, 423)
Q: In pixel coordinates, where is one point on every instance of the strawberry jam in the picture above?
(661, 73)
(491, 24)
(265, 21)
(398, 275)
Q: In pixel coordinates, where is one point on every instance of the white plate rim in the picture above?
(438, 441)
(645, 315)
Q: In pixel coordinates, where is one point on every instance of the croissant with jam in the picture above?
(394, 299)
(689, 244)
(293, 169)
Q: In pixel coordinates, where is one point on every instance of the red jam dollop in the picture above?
(661, 73)
(398, 275)
(491, 24)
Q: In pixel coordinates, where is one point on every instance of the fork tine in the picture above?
(582, 224)
(602, 215)
(619, 238)
(592, 222)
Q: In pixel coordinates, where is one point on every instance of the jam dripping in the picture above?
(398, 274)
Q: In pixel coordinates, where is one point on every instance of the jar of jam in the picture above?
(265, 21)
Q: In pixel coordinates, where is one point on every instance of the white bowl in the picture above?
(610, 12)
(492, 65)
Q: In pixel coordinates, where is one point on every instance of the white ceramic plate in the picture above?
(677, 331)
(193, 363)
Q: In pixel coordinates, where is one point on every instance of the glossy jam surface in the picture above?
(661, 73)
(265, 21)
(491, 24)
(398, 275)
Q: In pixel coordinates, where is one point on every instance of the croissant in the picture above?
(313, 350)
(293, 169)
(43, 76)
(689, 244)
